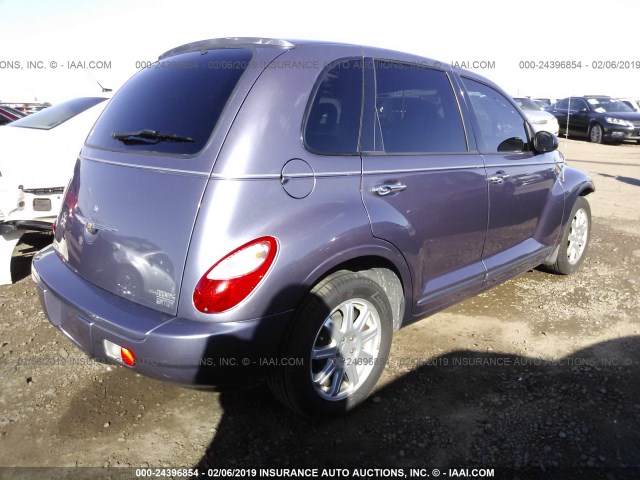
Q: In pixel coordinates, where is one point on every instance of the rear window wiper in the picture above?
(149, 136)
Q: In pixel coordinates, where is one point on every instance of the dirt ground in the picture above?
(539, 377)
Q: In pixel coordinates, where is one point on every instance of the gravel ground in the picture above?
(536, 378)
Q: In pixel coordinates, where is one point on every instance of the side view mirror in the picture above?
(513, 144)
(544, 142)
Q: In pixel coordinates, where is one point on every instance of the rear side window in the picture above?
(501, 127)
(173, 106)
(53, 116)
(417, 110)
(332, 125)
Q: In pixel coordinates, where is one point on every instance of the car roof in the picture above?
(286, 44)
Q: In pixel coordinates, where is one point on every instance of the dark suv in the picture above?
(598, 118)
(257, 208)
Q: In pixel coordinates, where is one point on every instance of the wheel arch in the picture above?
(586, 190)
(384, 265)
(576, 184)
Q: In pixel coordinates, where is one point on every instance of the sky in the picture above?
(53, 51)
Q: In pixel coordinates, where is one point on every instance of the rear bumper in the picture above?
(194, 353)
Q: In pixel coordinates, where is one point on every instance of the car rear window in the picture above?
(177, 103)
(53, 116)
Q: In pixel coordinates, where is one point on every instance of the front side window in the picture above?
(500, 127)
(332, 125)
(417, 110)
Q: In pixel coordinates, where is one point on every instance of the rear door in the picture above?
(524, 207)
(130, 209)
(424, 189)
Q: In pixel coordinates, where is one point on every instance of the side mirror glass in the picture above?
(544, 142)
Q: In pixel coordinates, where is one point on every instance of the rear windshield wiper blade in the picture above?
(153, 135)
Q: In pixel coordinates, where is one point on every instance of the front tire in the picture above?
(595, 133)
(575, 239)
(340, 341)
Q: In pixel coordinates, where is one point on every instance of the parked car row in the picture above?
(9, 114)
(597, 118)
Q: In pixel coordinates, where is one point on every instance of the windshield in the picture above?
(526, 104)
(602, 105)
(53, 116)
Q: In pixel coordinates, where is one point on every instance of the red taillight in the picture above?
(127, 357)
(53, 226)
(235, 276)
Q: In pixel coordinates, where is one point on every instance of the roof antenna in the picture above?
(104, 90)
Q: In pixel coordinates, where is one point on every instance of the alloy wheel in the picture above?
(345, 349)
(577, 239)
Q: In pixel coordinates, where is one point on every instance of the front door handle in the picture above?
(388, 188)
(499, 177)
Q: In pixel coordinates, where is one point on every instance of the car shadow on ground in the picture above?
(577, 417)
(629, 180)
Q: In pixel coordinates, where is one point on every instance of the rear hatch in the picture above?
(130, 209)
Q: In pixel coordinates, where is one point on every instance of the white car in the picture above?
(539, 119)
(37, 155)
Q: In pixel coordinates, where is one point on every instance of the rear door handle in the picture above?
(388, 188)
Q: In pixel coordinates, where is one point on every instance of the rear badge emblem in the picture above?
(91, 226)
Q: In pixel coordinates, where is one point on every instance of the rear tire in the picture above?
(339, 341)
(575, 239)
